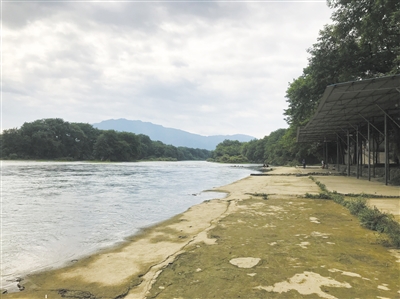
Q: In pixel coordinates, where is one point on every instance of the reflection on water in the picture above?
(53, 212)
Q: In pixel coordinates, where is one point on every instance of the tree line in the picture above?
(275, 149)
(56, 139)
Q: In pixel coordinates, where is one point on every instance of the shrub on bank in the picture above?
(263, 195)
(337, 198)
(370, 218)
(356, 206)
(321, 195)
(381, 222)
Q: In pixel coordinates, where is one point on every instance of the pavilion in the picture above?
(363, 119)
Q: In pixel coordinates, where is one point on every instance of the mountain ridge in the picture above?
(175, 137)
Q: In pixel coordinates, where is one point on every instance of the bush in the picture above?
(370, 218)
(321, 195)
(373, 219)
(356, 206)
(381, 222)
(263, 195)
(394, 233)
(338, 198)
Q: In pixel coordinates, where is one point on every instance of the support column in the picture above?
(326, 153)
(369, 153)
(361, 157)
(374, 156)
(337, 153)
(386, 151)
(348, 153)
(357, 156)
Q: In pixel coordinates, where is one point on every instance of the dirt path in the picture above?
(264, 240)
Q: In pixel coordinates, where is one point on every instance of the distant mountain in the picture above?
(168, 135)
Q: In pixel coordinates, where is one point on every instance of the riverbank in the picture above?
(264, 239)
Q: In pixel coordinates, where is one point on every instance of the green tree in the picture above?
(302, 100)
(229, 151)
(14, 144)
(87, 137)
(249, 150)
(133, 143)
(363, 42)
(106, 146)
(45, 138)
(372, 28)
(145, 146)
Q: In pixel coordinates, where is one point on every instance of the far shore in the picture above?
(264, 239)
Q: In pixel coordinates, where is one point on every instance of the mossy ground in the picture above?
(290, 235)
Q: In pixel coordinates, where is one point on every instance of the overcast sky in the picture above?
(207, 67)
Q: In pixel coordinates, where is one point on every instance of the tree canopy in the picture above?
(362, 42)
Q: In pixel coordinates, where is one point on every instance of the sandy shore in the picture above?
(264, 240)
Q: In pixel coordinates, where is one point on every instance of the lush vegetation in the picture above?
(56, 139)
(228, 151)
(362, 42)
(279, 148)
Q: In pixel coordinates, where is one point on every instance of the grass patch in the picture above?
(356, 206)
(325, 194)
(382, 223)
(369, 217)
(321, 195)
(366, 195)
(263, 195)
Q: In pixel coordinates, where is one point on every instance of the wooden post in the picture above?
(337, 153)
(386, 152)
(369, 153)
(357, 156)
(348, 153)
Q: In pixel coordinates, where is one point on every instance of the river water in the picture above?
(54, 212)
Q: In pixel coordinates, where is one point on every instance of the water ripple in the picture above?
(53, 212)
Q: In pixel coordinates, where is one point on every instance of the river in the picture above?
(55, 212)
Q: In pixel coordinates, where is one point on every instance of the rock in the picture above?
(245, 262)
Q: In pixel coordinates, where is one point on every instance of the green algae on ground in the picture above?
(291, 236)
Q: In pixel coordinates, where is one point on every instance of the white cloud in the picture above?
(204, 67)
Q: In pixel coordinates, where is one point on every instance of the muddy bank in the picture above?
(124, 269)
(263, 240)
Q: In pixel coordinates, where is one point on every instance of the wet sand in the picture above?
(263, 240)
